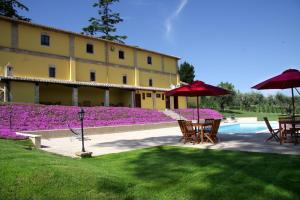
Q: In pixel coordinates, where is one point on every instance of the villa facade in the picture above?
(45, 65)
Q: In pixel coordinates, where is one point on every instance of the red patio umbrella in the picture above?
(288, 79)
(197, 88)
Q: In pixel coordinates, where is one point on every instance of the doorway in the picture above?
(168, 102)
(138, 100)
(175, 102)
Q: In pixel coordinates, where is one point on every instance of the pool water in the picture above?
(245, 128)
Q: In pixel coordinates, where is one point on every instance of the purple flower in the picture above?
(191, 113)
(24, 117)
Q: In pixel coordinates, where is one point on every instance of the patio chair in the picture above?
(208, 121)
(290, 131)
(211, 135)
(274, 132)
(189, 134)
(182, 128)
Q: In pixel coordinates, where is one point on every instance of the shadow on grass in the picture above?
(207, 174)
(116, 187)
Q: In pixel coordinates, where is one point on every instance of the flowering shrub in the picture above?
(8, 134)
(23, 117)
(191, 113)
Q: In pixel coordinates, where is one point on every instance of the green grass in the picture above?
(260, 116)
(163, 172)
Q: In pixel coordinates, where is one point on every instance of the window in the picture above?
(52, 72)
(89, 48)
(124, 79)
(150, 82)
(45, 40)
(92, 76)
(144, 96)
(163, 97)
(149, 60)
(121, 55)
(148, 94)
(157, 95)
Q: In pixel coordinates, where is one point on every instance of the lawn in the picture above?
(259, 115)
(163, 172)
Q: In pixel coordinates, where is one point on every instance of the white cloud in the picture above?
(170, 19)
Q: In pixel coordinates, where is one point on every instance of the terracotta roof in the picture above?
(81, 35)
(81, 83)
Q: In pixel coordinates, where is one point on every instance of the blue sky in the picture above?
(239, 41)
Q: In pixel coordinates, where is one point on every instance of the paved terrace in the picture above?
(119, 142)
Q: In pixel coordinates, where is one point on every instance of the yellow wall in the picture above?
(182, 102)
(144, 78)
(83, 72)
(160, 103)
(94, 96)
(115, 75)
(113, 52)
(58, 94)
(161, 80)
(1, 68)
(30, 39)
(158, 80)
(173, 79)
(148, 101)
(80, 49)
(142, 60)
(170, 65)
(22, 92)
(34, 66)
(119, 97)
(5, 32)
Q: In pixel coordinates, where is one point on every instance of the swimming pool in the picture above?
(245, 127)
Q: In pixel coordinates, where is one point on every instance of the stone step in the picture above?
(173, 115)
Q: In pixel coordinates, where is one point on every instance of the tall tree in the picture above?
(8, 8)
(105, 24)
(186, 72)
(228, 99)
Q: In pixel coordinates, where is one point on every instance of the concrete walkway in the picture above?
(126, 141)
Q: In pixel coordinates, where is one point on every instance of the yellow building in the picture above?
(40, 64)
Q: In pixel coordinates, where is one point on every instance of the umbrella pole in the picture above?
(293, 102)
(198, 108)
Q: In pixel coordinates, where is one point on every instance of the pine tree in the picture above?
(8, 8)
(106, 22)
(187, 72)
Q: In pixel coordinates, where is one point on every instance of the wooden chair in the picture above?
(289, 130)
(188, 132)
(274, 132)
(211, 135)
(208, 121)
(182, 128)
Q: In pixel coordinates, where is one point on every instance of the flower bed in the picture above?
(23, 117)
(191, 113)
(8, 134)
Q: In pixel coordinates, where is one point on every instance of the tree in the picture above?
(8, 8)
(228, 99)
(186, 72)
(106, 22)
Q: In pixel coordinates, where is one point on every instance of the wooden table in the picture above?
(201, 126)
(283, 127)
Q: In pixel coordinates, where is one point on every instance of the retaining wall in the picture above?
(57, 133)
